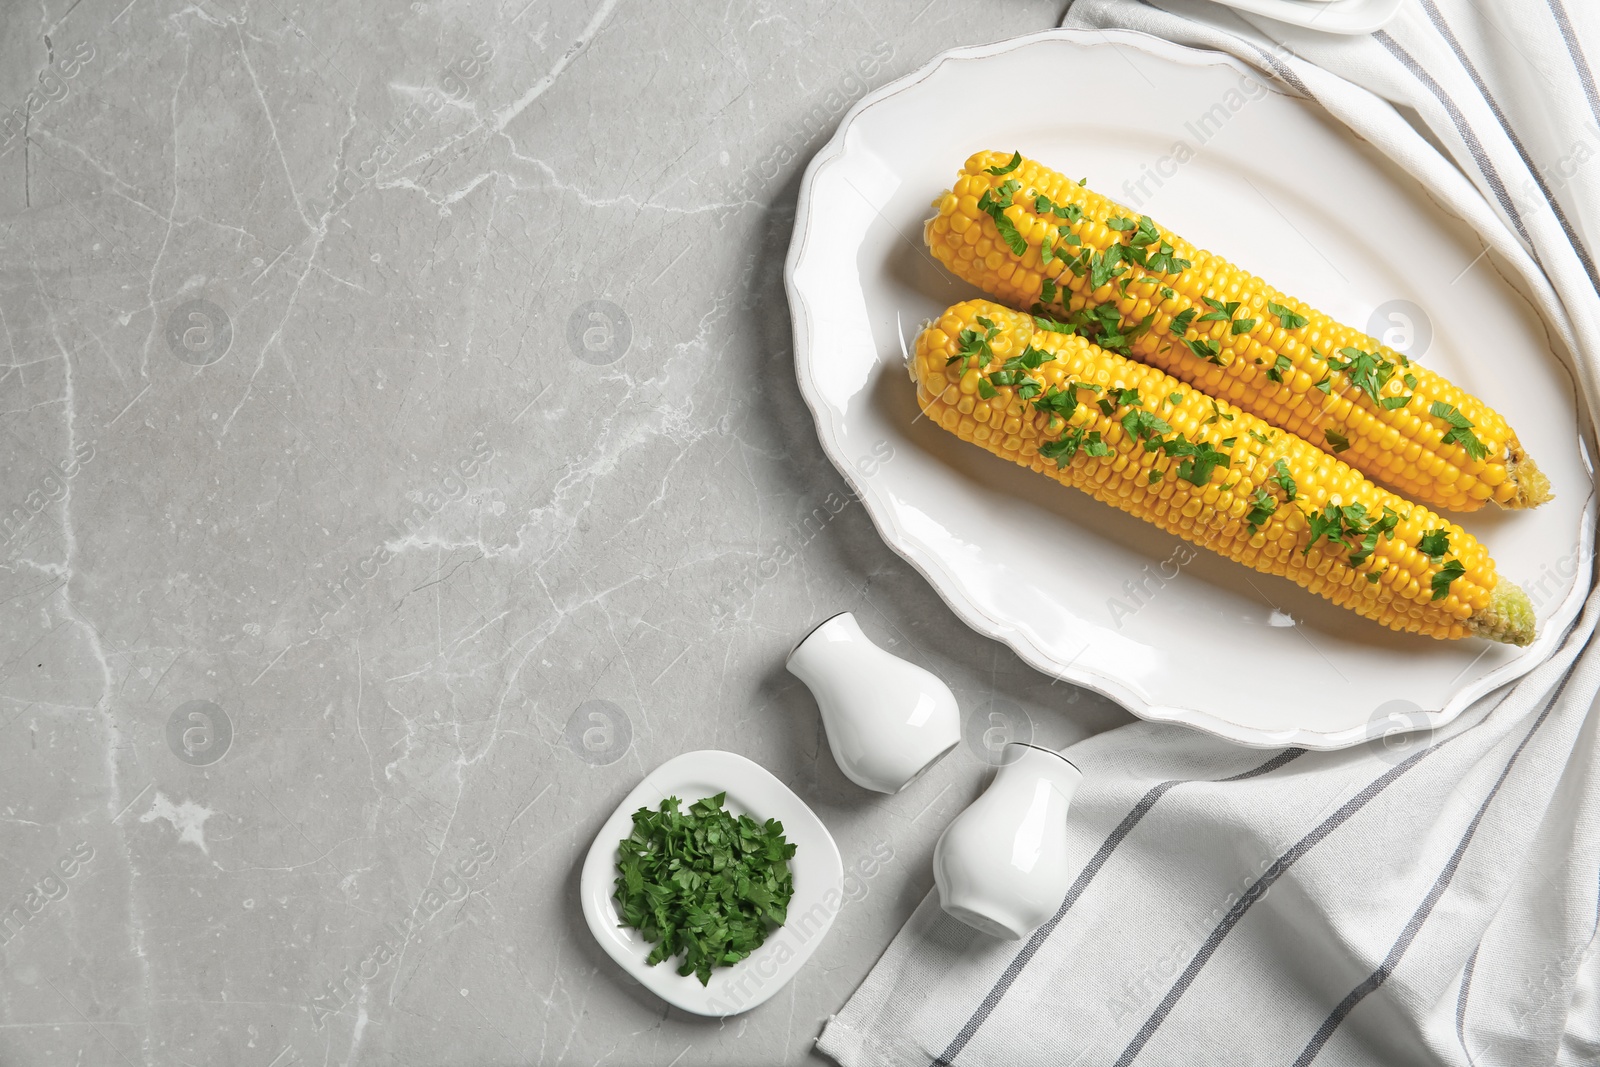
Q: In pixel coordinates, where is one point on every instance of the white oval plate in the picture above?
(1288, 193)
(752, 791)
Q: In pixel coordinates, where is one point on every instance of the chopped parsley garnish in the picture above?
(1326, 383)
(1113, 340)
(1460, 431)
(1105, 266)
(1047, 291)
(1444, 576)
(1289, 320)
(1165, 261)
(1064, 448)
(1219, 312)
(1121, 225)
(1262, 507)
(1367, 371)
(1206, 348)
(1051, 325)
(1283, 480)
(1173, 398)
(1016, 161)
(1062, 401)
(1435, 544)
(1243, 326)
(1181, 321)
(703, 884)
(1336, 440)
(975, 345)
(1217, 414)
(1279, 365)
(1031, 359)
(995, 207)
(986, 390)
(1352, 528)
(1199, 458)
(1197, 467)
(1260, 438)
(1142, 424)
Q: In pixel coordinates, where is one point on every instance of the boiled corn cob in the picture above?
(1032, 239)
(1131, 435)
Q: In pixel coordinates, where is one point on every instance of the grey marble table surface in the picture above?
(404, 456)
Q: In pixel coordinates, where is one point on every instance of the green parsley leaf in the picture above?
(1263, 505)
(1243, 326)
(1047, 291)
(1283, 480)
(1173, 398)
(1120, 224)
(995, 207)
(1206, 348)
(1031, 359)
(986, 390)
(1219, 312)
(1435, 544)
(1367, 371)
(1064, 448)
(1445, 575)
(1154, 477)
(1016, 161)
(1142, 424)
(1390, 403)
(1051, 325)
(1093, 446)
(1289, 320)
(1198, 467)
(1279, 365)
(1460, 431)
(1181, 321)
(1338, 441)
(1217, 414)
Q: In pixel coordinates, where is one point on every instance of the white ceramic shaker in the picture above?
(887, 720)
(1001, 866)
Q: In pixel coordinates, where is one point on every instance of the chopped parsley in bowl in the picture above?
(704, 884)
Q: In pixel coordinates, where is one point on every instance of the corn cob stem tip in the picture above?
(1508, 618)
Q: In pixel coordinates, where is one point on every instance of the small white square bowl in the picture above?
(818, 883)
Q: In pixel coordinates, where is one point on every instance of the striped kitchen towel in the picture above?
(1427, 905)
